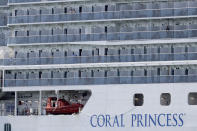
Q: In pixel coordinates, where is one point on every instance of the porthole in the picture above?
(192, 98)
(165, 99)
(138, 99)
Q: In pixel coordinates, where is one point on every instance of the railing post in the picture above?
(40, 103)
(15, 107)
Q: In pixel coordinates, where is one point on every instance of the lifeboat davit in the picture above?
(61, 106)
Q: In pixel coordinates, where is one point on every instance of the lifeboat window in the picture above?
(165, 99)
(138, 99)
(7, 127)
(192, 98)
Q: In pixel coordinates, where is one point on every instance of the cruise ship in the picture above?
(98, 65)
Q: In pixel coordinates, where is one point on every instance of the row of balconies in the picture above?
(125, 5)
(100, 59)
(129, 75)
(141, 35)
(125, 14)
(99, 80)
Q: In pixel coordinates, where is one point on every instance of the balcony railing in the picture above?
(21, 1)
(100, 59)
(124, 14)
(138, 35)
(99, 80)
(3, 3)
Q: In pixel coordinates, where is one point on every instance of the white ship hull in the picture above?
(111, 108)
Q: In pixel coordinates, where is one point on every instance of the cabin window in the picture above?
(27, 12)
(16, 12)
(131, 73)
(186, 49)
(138, 99)
(119, 51)
(106, 7)
(118, 72)
(105, 73)
(79, 74)
(97, 51)
(158, 71)
(158, 50)
(27, 75)
(132, 51)
(40, 74)
(65, 10)
(8, 72)
(92, 52)
(51, 31)
(172, 49)
(186, 71)
(145, 72)
(16, 33)
(145, 50)
(7, 127)
(51, 74)
(27, 33)
(15, 54)
(92, 8)
(165, 99)
(40, 11)
(40, 53)
(65, 74)
(92, 73)
(105, 29)
(172, 72)
(40, 33)
(80, 9)
(65, 31)
(192, 98)
(15, 75)
(52, 11)
(65, 53)
(80, 52)
(106, 50)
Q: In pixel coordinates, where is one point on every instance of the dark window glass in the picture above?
(165, 99)
(138, 99)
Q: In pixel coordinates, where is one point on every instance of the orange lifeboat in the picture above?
(61, 106)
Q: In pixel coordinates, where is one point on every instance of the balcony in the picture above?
(109, 15)
(137, 35)
(3, 3)
(22, 1)
(99, 80)
(100, 59)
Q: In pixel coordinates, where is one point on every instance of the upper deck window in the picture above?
(106, 7)
(80, 9)
(52, 11)
(65, 10)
